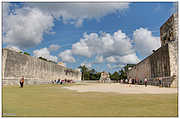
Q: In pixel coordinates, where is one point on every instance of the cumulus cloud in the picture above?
(114, 48)
(145, 42)
(26, 28)
(66, 56)
(53, 47)
(119, 66)
(111, 59)
(44, 53)
(88, 65)
(99, 59)
(76, 13)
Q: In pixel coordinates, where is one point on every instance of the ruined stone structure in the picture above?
(105, 77)
(35, 71)
(164, 61)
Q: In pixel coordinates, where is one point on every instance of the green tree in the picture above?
(84, 71)
(26, 53)
(43, 58)
(123, 74)
(115, 76)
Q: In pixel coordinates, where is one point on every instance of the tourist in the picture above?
(22, 81)
(160, 82)
(126, 81)
(145, 82)
(58, 81)
(130, 82)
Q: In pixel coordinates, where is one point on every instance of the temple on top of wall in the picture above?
(162, 63)
(35, 70)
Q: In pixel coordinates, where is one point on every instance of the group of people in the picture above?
(59, 81)
(136, 81)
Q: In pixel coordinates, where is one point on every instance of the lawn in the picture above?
(53, 100)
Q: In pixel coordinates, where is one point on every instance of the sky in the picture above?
(103, 36)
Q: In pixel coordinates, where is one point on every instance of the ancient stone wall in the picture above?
(173, 54)
(169, 30)
(164, 61)
(16, 65)
(159, 62)
(155, 65)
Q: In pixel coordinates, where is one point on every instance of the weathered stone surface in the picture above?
(164, 61)
(35, 71)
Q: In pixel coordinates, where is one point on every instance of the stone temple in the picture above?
(163, 62)
(35, 70)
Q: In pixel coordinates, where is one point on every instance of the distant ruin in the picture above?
(35, 71)
(163, 62)
(105, 77)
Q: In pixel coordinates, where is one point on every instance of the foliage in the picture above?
(115, 76)
(43, 58)
(91, 74)
(26, 53)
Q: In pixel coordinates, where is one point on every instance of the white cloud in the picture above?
(145, 42)
(99, 59)
(53, 47)
(109, 66)
(26, 28)
(111, 59)
(66, 56)
(88, 65)
(114, 48)
(119, 66)
(26, 25)
(76, 13)
(44, 53)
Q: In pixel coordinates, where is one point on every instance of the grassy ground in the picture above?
(49, 100)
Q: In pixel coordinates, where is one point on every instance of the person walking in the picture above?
(22, 82)
(160, 82)
(130, 82)
(145, 82)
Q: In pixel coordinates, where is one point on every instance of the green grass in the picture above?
(48, 100)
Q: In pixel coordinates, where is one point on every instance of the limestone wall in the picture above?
(164, 61)
(155, 65)
(16, 65)
(173, 54)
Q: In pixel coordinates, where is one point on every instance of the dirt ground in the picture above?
(122, 88)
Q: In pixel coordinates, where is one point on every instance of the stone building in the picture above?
(35, 70)
(162, 63)
(105, 77)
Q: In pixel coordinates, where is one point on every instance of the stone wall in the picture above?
(169, 30)
(173, 54)
(15, 65)
(155, 65)
(164, 61)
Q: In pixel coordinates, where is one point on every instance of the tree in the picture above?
(26, 53)
(42, 58)
(84, 70)
(115, 76)
(123, 74)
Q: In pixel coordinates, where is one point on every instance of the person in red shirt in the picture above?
(22, 81)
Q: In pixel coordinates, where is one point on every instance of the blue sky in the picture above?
(103, 36)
